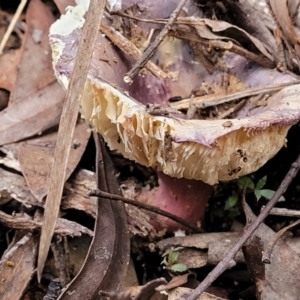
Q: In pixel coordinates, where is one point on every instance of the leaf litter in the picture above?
(236, 56)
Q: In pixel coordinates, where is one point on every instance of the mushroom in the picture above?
(207, 151)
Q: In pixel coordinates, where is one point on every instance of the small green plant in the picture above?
(170, 261)
(258, 188)
(247, 182)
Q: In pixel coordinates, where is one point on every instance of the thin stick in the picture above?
(98, 193)
(156, 21)
(268, 250)
(67, 124)
(232, 110)
(284, 212)
(212, 100)
(150, 50)
(130, 49)
(12, 25)
(225, 262)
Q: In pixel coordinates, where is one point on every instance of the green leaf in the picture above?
(261, 183)
(268, 194)
(173, 257)
(257, 194)
(179, 268)
(231, 202)
(245, 182)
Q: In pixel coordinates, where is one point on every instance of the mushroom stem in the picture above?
(184, 198)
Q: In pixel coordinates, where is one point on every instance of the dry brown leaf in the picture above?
(200, 241)
(9, 62)
(13, 185)
(254, 20)
(109, 250)
(35, 67)
(208, 29)
(144, 292)
(17, 267)
(23, 222)
(174, 283)
(281, 12)
(36, 158)
(31, 115)
(279, 280)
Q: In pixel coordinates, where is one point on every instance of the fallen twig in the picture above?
(212, 100)
(149, 51)
(130, 49)
(283, 212)
(227, 260)
(101, 194)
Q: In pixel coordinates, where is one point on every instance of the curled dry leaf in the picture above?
(195, 149)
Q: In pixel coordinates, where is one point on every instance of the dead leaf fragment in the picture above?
(36, 158)
(144, 292)
(208, 29)
(16, 269)
(280, 279)
(31, 115)
(35, 67)
(181, 292)
(281, 12)
(9, 62)
(109, 250)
